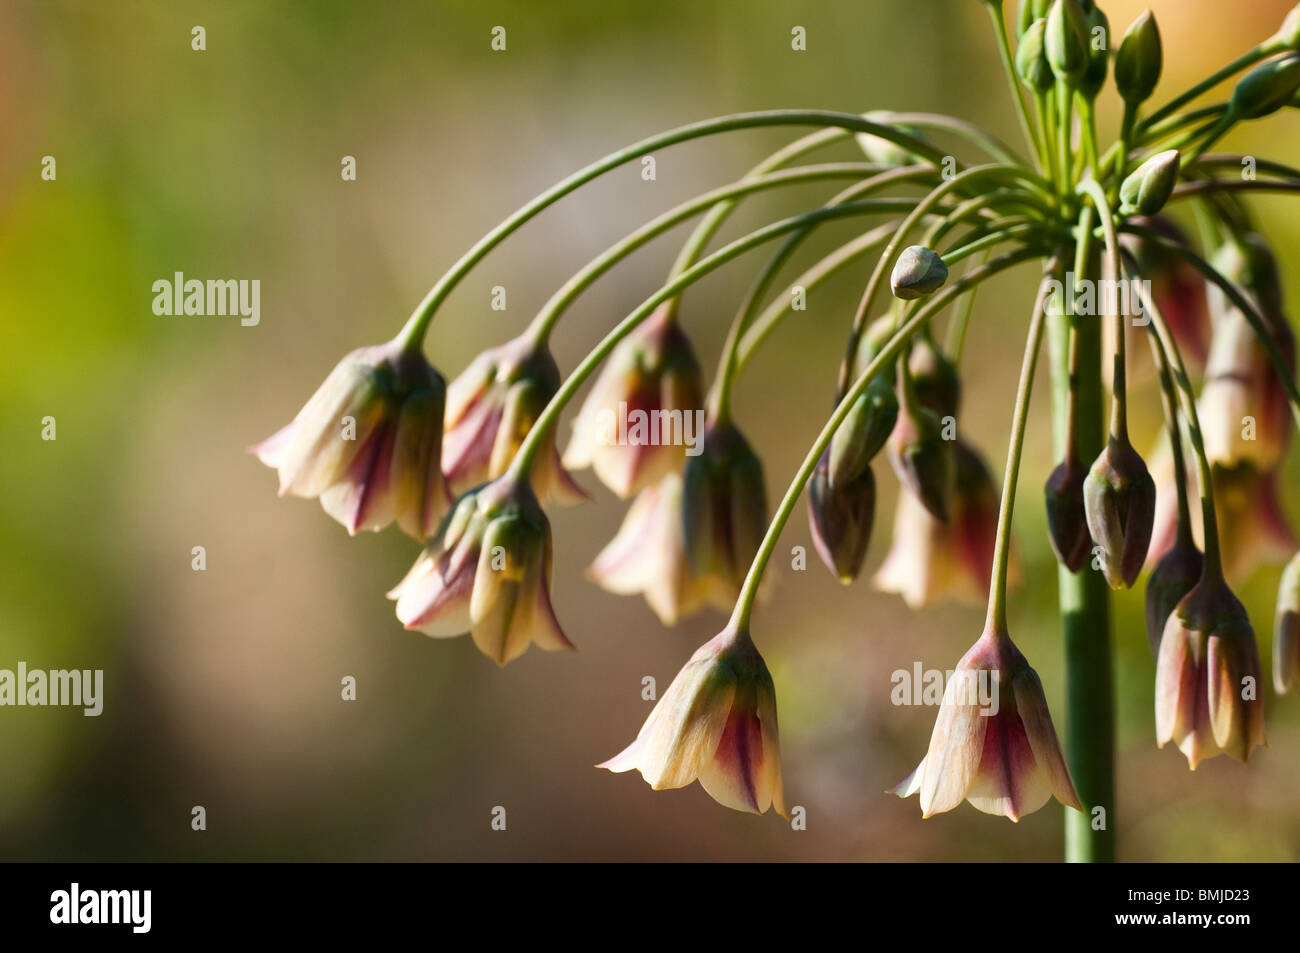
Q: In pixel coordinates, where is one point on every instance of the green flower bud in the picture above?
(840, 517)
(1267, 88)
(1066, 41)
(1149, 186)
(923, 459)
(1119, 498)
(1031, 59)
(1139, 60)
(882, 151)
(1098, 54)
(919, 272)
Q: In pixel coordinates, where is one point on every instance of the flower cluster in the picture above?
(469, 469)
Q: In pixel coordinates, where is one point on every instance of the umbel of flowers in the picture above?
(469, 470)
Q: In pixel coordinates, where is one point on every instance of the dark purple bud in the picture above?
(1067, 521)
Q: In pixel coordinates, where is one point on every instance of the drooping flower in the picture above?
(1208, 677)
(929, 560)
(648, 554)
(488, 574)
(1244, 408)
(1286, 630)
(636, 423)
(1119, 499)
(993, 742)
(716, 723)
(367, 443)
(724, 511)
(491, 407)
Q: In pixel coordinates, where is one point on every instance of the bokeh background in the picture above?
(223, 687)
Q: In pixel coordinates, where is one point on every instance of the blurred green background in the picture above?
(222, 687)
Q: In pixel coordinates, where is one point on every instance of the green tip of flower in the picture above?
(1066, 41)
(1140, 60)
(1150, 185)
(1267, 88)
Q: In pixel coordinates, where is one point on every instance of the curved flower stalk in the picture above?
(488, 574)
(701, 536)
(367, 443)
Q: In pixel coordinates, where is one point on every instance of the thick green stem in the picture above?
(1085, 607)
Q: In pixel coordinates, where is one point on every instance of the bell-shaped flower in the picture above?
(724, 511)
(488, 574)
(929, 560)
(367, 443)
(648, 554)
(716, 723)
(641, 415)
(1244, 409)
(1286, 630)
(1119, 498)
(993, 742)
(1208, 691)
(491, 407)
(840, 516)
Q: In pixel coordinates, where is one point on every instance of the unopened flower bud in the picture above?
(840, 516)
(1178, 571)
(1208, 677)
(1031, 59)
(368, 443)
(934, 377)
(863, 432)
(1119, 498)
(1067, 519)
(716, 723)
(1148, 187)
(993, 742)
(919, 272)
(884, 151)
(1266, 88)
(1139, 60)
(724, 511)
(1030, 11)
(1098, 53)
(1286, 630)
(1066, 41)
